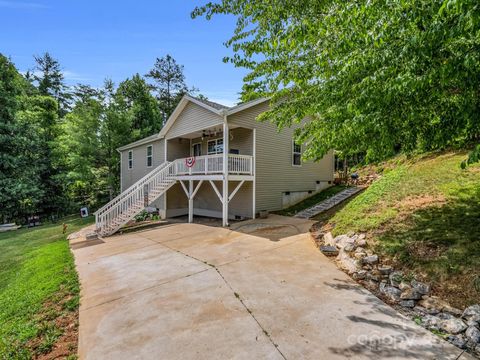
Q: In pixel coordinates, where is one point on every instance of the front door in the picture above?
(197, 149)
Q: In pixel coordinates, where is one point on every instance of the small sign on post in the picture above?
(84, 212)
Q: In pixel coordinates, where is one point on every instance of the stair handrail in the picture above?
(132, 187)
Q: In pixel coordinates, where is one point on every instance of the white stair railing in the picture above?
(112, 216)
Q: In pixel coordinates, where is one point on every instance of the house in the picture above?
(217, 161)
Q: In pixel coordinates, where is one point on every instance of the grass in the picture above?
(38, 284)
(311, 201)
(424, 215)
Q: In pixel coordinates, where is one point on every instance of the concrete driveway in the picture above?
(260, 290)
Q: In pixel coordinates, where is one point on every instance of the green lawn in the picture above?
(424, 214)
(37, 274)
(312, 200)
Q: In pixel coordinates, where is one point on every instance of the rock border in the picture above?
(411, 297)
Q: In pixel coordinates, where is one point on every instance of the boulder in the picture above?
(420, 287)
(458, 340)
(433, 303)
(407, 303)
(328, 239)
(329, 250)
(392, 293)
(451, 310)
(410, 294)
(360, 275)
(431, 322)
(349, 247)
(395, 278)
(372, 259)
(452, 326)
(473, 334)
(385, 270)
(472, 312)
(346, 263)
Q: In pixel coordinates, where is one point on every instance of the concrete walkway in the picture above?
(259, 291)
(329, 203)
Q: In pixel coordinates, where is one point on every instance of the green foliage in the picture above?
(373, 77)
(34, 265)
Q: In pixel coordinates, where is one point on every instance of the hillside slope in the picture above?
(423, 215)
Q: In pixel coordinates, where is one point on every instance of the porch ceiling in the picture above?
(213, 131)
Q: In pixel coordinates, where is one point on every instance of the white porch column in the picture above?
(254, 182)
(225, 171)
(190, 201)
(163, 213)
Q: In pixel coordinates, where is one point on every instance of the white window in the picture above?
(149, 156)
(296, 154)
(215, 146)
(197, 149)
(130, 159)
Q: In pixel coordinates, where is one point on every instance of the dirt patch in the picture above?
(58, 335)
(412, 203)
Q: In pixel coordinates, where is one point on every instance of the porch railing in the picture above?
(213, 164)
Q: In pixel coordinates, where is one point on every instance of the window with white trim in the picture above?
(149, 156)
(130, 159)
(296, 154)
(215, 146)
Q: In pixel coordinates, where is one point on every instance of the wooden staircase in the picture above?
(133, 200)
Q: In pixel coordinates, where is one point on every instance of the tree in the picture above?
(50, 80)
(371, 77)
(133, 97)
(19, 178)
(168, 83)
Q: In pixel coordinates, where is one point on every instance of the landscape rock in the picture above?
(349, 247)
(452, 326)
(472, 312)
(433, 303)
(372, 259)
(385, 270)
(392, 293)
(431, 322)
(471, 322)
(473, 334)
(396, 278)
(329, 250)
(372, 277)
(458, 340)
(346, 262)
(359, 255)
(420, 287)
(342, 240)
(361, 242)
(451, 310)
(361, 236)
(403, 286)
(360, 275)
(410, 294)
(350, 234)
(445, 316)
(407, 303)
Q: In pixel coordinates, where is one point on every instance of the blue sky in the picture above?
(116, 39)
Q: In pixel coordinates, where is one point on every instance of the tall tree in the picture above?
(372, 77)
(50, 80)
(134, 98)
(168, 83)
(19, 178)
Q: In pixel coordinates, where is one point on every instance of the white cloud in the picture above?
(73, 76)
(21, 5)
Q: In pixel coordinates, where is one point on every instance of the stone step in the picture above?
(327, 204)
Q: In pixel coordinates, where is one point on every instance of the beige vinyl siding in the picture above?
(275, 173)
(178, 148)
(193, 118)
(140, 169)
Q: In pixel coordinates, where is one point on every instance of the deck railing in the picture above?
(213, 164)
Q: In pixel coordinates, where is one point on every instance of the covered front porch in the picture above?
(215, 172)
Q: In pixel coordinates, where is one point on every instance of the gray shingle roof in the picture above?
(211, 103)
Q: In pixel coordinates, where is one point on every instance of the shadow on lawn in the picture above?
(442, 240)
